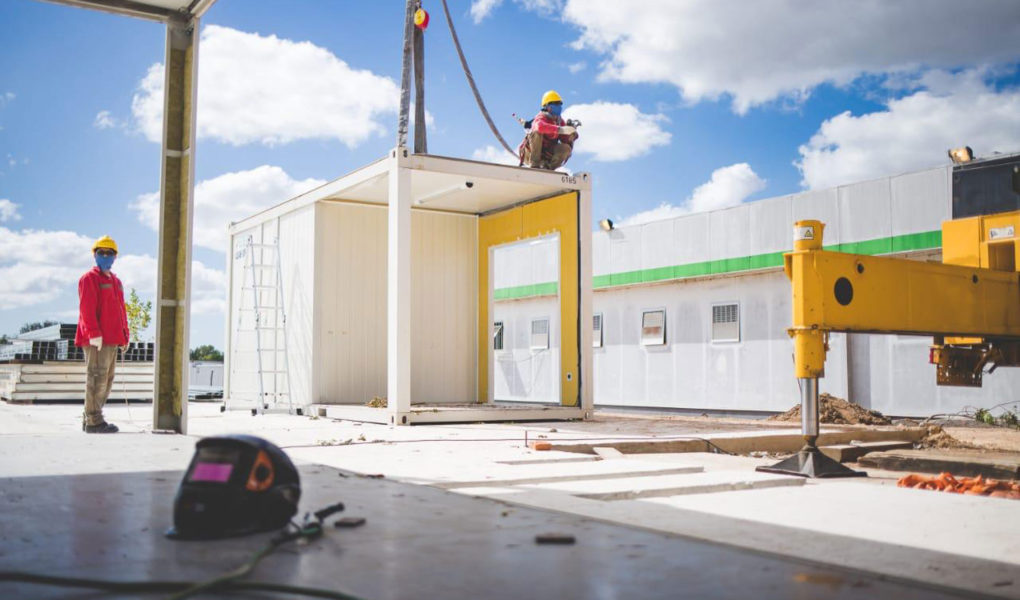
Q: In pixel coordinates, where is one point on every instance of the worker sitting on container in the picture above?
(550, 140)
(102, 327)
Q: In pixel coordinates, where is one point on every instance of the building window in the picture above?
(540, 334)
(653, 327)
(726, 323)
(596, 333)
(497, 335)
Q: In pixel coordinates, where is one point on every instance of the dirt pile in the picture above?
(837, 411)
(936, 437)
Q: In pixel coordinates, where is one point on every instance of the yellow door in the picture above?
(558, 215)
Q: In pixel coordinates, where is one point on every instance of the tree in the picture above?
(4, 339)
(36, 325)
(206, 352)
(139, 315)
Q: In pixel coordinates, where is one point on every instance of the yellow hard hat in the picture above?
(551, 96)
(105, 242)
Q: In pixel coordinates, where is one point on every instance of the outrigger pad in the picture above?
(810, 462)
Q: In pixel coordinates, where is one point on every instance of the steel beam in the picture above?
(173, 284)
(398, 290)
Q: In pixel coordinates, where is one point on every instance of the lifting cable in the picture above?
(471, 82)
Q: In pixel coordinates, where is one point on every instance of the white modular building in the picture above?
(691, 312)
(372, 294)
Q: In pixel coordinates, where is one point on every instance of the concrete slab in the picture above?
(777, 441)
(458, 413)
(851, 452)
(997, 465)
(43, 440)
(418, 542)
(670, 485)
(558, 472)
(607, 453)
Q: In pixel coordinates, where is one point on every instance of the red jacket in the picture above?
(101, 310)
(544, 121)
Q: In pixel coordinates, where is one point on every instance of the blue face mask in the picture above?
(105, 263)
(554, 109)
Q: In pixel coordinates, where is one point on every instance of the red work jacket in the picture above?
(101, 309)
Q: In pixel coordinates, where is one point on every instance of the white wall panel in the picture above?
(771, 225)
(921, 201)
(625, 249)
(730, 232)
(690, 238)
(352, 317)
(351, 307)
(544, 258)
(444, 288)
(239, 355)
(657, 248)
(522, 374)
(864, 211)
(822, 205)
(297, 257)
(600, 253)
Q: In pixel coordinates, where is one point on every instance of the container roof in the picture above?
(438, 183)
(154, 10)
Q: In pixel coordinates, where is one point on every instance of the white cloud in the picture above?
(9, 211)
(229, 197)
(495, 154)
(39, 266)
(728, 186)
(208, 285)
(577, 67)
(757, 52)
(104, 120)
(613, 132)
(483, 8)
(913, 132)
(263, 89)
(6, 98)
(480, 9)
(36, 266)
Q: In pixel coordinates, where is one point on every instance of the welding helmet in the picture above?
(235, 485)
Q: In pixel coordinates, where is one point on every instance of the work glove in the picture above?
(97, 342)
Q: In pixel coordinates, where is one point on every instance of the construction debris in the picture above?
(974, 486)
(936, 437)
(837, 411)
(554, 538)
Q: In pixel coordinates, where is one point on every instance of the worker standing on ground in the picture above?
(102, 328)
(550, 140)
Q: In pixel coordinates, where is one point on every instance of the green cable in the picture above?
(227, 577)
(125, 587)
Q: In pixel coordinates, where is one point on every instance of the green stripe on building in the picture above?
(910, 242)
(526, 291)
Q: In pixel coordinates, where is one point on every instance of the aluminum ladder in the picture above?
(261, 323)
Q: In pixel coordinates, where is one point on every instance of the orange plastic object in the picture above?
(262, 473)
(973, 486)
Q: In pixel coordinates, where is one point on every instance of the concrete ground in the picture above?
(457, 508)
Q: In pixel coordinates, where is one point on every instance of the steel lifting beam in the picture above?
(839, 292)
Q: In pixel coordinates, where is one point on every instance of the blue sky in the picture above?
(686, 105)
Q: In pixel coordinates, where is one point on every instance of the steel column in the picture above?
(398, 290)
(173, 284)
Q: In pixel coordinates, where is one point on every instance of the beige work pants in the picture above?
(557, 155)
(99, 367)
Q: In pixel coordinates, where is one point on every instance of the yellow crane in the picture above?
(969, 303)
